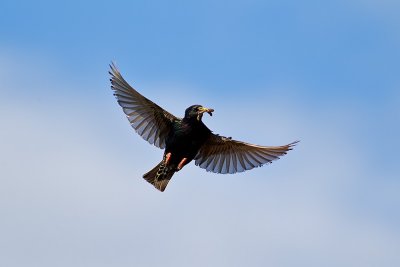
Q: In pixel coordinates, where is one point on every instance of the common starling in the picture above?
(186, 139)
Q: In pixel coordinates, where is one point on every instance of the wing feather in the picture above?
(148, 119)
(223, 155)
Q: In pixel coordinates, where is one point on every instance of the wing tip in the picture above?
(293, 144)
(113, 69)
(204, 162)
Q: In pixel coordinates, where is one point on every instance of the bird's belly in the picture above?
(181, 147)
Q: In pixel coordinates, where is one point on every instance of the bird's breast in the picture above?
(185, 140)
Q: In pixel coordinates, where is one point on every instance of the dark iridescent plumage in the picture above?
(187, 139)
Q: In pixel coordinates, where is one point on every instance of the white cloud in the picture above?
(71, 192)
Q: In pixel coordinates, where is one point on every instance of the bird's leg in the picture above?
(167, 158)
(181, 164)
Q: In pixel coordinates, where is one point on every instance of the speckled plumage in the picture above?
(187, 139)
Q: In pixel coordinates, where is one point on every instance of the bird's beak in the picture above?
(204, 110)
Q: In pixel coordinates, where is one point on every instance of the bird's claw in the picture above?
(167, 158)
(181, 164)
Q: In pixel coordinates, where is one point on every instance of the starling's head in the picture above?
(197, 111)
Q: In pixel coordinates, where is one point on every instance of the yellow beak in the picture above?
(204, 110)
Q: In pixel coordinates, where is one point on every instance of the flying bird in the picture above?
(186, 139)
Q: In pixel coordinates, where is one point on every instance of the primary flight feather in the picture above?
(186, 139)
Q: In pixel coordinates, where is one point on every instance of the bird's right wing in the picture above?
(148, 119)
(223, 155)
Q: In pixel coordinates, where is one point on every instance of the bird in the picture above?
(186, 139)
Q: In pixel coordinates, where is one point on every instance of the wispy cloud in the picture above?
(71, 191)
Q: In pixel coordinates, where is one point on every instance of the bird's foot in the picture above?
(167, 158)
(181, 164)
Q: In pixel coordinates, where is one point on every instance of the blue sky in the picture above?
(71, 192)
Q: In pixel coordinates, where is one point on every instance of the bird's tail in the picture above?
(160, 175)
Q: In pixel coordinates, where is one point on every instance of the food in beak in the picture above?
(209, 111)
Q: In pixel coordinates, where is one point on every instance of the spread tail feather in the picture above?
(159, 176)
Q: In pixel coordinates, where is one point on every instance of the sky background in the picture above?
(325, 73)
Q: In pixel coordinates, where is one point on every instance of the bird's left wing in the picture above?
(148, 119)
(223, 155)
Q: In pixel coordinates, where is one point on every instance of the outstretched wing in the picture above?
(148, 119)
(223, 155)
